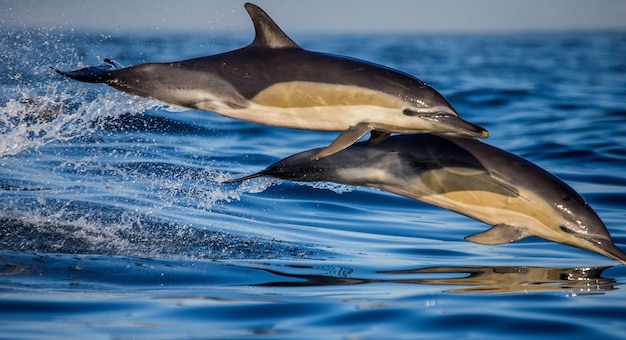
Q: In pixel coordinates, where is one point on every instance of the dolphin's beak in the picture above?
(458, 125)
(599, 244)
(609, 249)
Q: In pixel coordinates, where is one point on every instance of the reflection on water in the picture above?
(502, 279)
(478, 279)
(489, 279)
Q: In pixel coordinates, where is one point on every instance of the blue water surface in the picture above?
(114, 222)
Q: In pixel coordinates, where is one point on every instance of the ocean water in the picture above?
(114, 222)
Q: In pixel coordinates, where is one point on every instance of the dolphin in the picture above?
(275, 82)
(516, 197)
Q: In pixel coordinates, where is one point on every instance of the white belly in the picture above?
(326, 118)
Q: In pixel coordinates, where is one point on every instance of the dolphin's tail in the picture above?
(245, 178)
(93, 74)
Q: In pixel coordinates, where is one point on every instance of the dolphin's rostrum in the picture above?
(516, 197)
(273, 81)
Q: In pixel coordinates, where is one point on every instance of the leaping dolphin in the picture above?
(518, 198)
(273, 81)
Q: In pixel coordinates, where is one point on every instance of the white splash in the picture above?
(334, 187)
(32, 120)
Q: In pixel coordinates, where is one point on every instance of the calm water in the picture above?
(114, 224)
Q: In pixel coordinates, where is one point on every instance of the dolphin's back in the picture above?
(441, 163)
(401, 157)
(253, 69)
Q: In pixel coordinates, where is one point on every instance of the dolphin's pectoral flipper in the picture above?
(498, 234)
(93, 74)
(345, 139)
(377, 137)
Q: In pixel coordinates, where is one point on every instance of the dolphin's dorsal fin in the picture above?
(268, 34)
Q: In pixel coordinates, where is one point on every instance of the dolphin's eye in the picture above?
(567, 230)
(409, 112)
